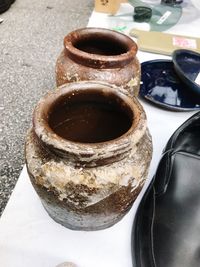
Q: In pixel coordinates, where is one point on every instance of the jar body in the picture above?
(82, 205)
(127, 77)
(124, 71)
(95, 188)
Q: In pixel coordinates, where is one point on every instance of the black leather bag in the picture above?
(5, 4)
(166, 229)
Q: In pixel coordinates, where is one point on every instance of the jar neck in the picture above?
(99, 48)
(91, 156)
(88, 154)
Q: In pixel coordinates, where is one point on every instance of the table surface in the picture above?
(29, 237)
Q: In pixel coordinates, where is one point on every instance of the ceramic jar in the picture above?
(99, 54)
(88, 154)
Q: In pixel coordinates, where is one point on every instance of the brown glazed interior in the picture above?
(101, 44)
(97, 117)
(89, 116)
(100, 47)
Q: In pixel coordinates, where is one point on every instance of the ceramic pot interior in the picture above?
(90, 116)
(100, 44)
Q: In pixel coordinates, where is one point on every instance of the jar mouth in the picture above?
(89, 116)
(85, 118)
(100, 47)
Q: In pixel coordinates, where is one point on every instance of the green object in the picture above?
(142, 13)
(163, 16)
(119, 29)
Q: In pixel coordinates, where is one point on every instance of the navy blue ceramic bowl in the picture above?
(187, 67)
(161, 86)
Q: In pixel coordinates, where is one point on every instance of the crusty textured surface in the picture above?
(80, 193)
(127, 77)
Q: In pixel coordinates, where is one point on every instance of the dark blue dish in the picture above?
(187, 66)
(161, 86)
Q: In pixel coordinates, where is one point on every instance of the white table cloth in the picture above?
(30, 238)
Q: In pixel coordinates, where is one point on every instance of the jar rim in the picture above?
(100, 60)
(55, 142)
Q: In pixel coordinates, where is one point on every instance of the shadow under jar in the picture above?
(88, 154)
(99, 54)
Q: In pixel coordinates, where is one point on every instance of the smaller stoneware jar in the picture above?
(99, 54)
(88, 154)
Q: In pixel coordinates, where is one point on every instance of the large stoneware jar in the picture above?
(88, 154)
(99, 54)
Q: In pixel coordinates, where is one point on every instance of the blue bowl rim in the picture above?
(163, 105)
(179, 70)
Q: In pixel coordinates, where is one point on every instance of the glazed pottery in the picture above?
(99, 54)
(187, 66)
(88, 154)
(161, 86)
